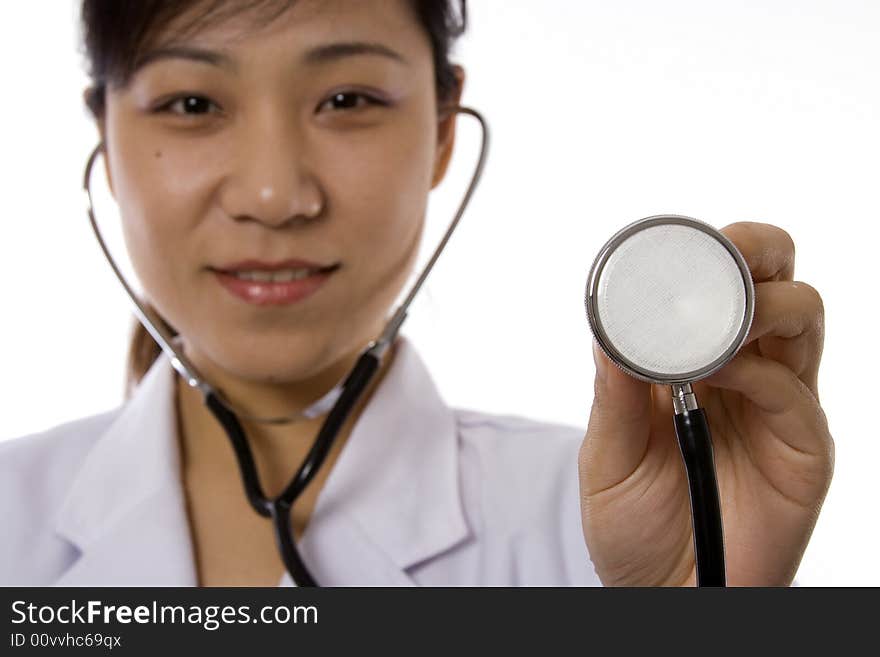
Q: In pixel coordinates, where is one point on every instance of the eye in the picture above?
(346, 100)
(187, 105)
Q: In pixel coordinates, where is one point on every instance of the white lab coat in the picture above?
(421, 494)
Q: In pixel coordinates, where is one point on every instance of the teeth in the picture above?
(280, 276)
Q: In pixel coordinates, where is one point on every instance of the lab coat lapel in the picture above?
(392, 500)
(126, 511)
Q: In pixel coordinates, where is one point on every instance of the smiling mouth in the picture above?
(274, 286)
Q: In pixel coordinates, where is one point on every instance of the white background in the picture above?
(601, 113)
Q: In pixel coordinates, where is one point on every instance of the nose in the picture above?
(269, 178)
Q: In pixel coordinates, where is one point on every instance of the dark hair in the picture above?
(117, 32)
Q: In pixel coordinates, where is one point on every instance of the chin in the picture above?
(274, 358)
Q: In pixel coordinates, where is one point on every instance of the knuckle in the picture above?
(585, 454)
(814, 310)
(811, 294)
(831, 456)
(785, 237)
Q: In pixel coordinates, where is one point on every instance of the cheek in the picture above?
(381, 190)
(158, 189)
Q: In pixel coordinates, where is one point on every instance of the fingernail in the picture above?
(601, 362)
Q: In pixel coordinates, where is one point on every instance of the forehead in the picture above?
(294, 23)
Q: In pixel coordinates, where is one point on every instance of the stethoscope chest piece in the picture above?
(670, 299)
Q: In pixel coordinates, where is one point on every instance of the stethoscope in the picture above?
(337, 403)
(670, 300)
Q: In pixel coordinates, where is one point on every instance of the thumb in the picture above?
(619, 427)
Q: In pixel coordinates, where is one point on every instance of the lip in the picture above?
(269, 293)
(259, 265)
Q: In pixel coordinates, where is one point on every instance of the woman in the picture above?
(249, 144)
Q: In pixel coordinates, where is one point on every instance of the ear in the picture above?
(446, 129)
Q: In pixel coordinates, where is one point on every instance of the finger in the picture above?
(790, 409)
(789, 327)
(619, 427)
(768, 250)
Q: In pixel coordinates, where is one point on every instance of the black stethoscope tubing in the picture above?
(279, 509)
(695, 445)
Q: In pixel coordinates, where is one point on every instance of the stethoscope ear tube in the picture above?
(695, 444)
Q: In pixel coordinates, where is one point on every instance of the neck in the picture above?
(278, 449)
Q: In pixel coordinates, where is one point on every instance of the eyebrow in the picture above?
(319, 55)
(335, 51)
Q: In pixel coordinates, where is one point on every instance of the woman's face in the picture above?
(272, 144)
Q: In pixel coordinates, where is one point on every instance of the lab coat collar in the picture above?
(391, 501)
